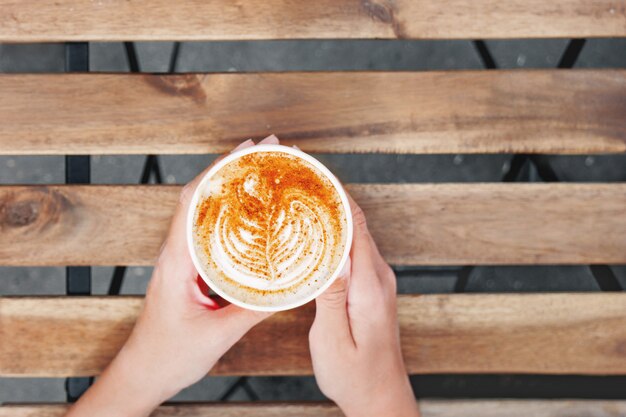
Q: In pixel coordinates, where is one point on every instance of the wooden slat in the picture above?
(196, 410)
(523, 408)
(545, 111)
(75, 20)
(425, 224)
(428, 408)
(514, 333)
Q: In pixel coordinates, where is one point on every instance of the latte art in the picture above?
(269, 246)
(270, 226)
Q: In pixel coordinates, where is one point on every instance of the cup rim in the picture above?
(268, 148)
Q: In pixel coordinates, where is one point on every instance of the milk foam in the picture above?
(291, 250)
(261, 244)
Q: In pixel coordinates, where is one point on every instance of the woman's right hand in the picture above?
(354, 340)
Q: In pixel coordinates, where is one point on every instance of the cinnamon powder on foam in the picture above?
(280, 174)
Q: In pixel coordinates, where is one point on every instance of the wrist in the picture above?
(142, 376)
(397, 401)
(119, 391)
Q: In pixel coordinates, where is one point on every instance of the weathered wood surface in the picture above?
(119, 20)
(539, 111)
(428, 408)
(414, 224)
(561, 333)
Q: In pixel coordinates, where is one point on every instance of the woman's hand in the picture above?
(354, 340)
(179, 336)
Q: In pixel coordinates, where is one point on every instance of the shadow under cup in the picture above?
(256, 255)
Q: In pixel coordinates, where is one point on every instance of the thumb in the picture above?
(331, 314)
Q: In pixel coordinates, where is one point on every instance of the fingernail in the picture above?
(296, 147)
(242, 145)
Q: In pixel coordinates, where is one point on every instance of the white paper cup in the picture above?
(200, 191)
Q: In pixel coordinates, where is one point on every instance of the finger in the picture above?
(331, 311)
(362, 253)
(242, 145)
(366, 244)
(383, 269)
(270, 140)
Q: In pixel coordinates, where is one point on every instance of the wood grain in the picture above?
(522, 408)
(539, 111)
(413, 224)
(428, 408)
(196, 410)
(117, 20)
(515, 333)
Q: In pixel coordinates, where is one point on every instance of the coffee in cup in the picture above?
(269, 228)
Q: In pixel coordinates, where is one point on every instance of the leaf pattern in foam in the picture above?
(269, 241)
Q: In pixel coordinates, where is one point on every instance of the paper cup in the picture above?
(202, 188)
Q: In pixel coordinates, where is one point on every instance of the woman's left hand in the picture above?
(179, 335)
